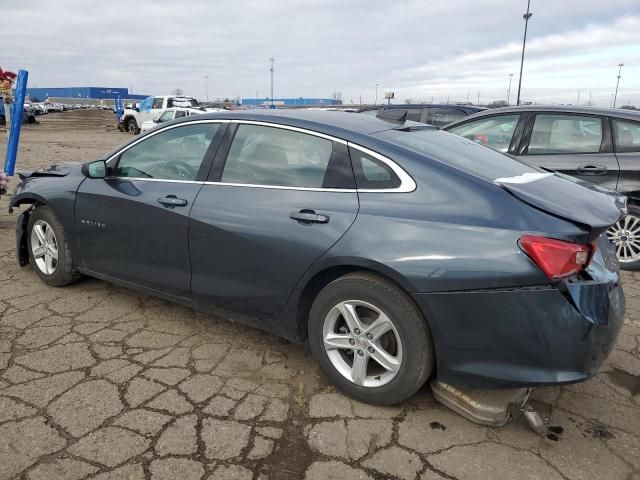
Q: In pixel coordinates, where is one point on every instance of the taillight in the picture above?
(556, 258)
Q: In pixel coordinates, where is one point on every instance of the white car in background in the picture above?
(173, 113)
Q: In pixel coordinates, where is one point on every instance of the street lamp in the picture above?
(376, 100)
(206, 83)
(271, 70)
(615, 97)
(526, 17)
(509, 89)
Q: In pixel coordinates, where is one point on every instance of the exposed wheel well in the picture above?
(323, 278)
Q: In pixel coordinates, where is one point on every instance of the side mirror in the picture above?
(97, 169)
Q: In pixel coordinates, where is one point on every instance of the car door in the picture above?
(626, 136)
(575, 144)
(273, 205)
(132, 225)
(500, 132)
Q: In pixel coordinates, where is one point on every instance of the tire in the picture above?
(132, 126)
(62, 270)
(408, 345)
(628, 228)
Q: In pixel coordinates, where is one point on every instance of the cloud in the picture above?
(419, 49)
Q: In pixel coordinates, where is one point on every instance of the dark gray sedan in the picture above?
(598, 145)
(397, 251)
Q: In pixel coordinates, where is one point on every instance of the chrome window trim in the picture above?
(407, 183)
(163, 129)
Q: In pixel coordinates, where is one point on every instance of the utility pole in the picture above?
(376, 100)
(615, 97)
(271, 70)
(206, 83)
(509, 89)
(578, 102)
(478, 98)
(467, 97)
(611, 102)
(526, 17)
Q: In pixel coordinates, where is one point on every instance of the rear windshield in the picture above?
(459, 152)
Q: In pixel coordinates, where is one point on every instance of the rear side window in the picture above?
(565, 134)
(180, 113)
(495, 132)
(371, 173)
(157, 103)
(440, 116)
(277, 157)
(414, 114)
(627, 136)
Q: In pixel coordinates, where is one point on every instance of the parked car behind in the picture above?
(396, 250)
(433, 114)
(601, 146)
(173, 113)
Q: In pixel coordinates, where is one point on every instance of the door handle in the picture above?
(592, 169)
(309, 216)
(172, 201)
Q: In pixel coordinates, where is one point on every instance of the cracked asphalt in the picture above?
(97, 381)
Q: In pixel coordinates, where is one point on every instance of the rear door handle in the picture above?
(172, 201)
(309, 216)
(592, 169)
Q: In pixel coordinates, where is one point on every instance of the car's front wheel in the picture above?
(625, 236)
(370, 339)
(49, 252)
(132, 126)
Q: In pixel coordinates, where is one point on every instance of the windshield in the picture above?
(459, 152)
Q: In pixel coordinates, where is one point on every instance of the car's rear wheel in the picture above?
(625, 236)
(49, 252)
(132, 126)
(370, 339)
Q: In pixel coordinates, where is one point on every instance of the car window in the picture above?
(459, 152)
(276, 156)
(414, 114)
(146, 104)
(173, 154)
(157, 103)
(166, 116)
(627, 136)
(495, 132)
(565, 134)
(180, 113)
(440, 116)
(372, 173)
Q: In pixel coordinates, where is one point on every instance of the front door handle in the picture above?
(172, 201)
(309, 216)
(592, 169)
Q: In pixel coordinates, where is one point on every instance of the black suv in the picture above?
(598, 145)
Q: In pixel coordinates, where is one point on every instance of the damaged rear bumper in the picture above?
(524, 337)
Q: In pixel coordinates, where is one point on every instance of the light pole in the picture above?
(206, 83)
(271, 70)
(615, 97)
(509, 89)
(376, 100)
(526, 17)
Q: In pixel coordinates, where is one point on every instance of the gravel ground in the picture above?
(101, 382)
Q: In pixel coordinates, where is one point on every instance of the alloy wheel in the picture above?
(44, 247)
(625, 236)
(362, 343)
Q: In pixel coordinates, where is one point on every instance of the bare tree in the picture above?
(177, 92)
(497, 104)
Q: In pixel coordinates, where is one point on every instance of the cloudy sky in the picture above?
(420, 49)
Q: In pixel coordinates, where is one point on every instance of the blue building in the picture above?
(80, 93)
(291, 102)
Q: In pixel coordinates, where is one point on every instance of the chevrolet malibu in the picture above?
(397, 251)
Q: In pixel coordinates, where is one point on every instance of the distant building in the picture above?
(82, 93)
(290, 102)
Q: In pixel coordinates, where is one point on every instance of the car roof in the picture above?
(467, 108)
(329, 122)
(610, 112)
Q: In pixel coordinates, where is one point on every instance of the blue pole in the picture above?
(16, 123)
(118, 105)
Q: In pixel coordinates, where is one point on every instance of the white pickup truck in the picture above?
(150, 109)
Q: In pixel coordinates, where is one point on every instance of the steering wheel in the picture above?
(179, 169)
